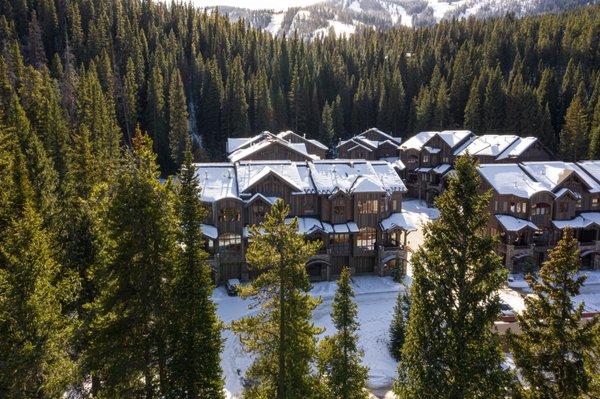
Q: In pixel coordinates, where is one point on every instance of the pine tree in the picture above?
(34, 332)
(573, 136)
(36, 52)
(327, 129)
(425, 106)
(399, 323)
(156, 115)
(195, 344)
(450, 350)
(594, 151)
(128, 335)
(339, 355)
(130, 100)
(280, 335)
(441, 113)
(549, 353)
(178, 119)
(474, 108)
(209, 109)
(235, 106)
(494, 102)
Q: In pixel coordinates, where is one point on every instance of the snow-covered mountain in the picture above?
(346, 16)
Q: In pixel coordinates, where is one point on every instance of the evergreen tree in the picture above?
(34, 331)
(281, 334)
(339, 355)
(178, 118)
(441, 113)
(425, 107)
(327, 129)
(494, 102)
(594, 151)
(399, 323)
(573, 136)
(156, 114)
(235, 106)
(130, 101)
(450, 350)
(474, 108)
(209, 115)
(195, 344)
(549, 353)
(127, 350)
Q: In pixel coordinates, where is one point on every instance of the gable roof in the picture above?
(510, 179)
(314, 142)
(217, 181)
(553, 173)
(451, 137)
(383, 136)
(246, 150)
(250, 173)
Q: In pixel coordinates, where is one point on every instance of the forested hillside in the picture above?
(135, 62)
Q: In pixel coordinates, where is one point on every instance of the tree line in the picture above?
(174, 69)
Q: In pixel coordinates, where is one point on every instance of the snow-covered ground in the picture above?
(589, 296)
(375, 297)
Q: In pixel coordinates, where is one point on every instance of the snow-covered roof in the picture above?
(267, 199)
(518, 147)
(217, 181)
(287, 133)
(441, 169)
(233, 143)
(453, 137)
(395, 162)
(592, 168)
(551, 174)
(432, 150)
(330, 176)
(345, 228)
(251, 172)
(209, 231)
(407, 221)
(308, 225)
(582, 221)
(488, 145)
(511, 223)
(384, 136)
(510, 179)
(417, 141)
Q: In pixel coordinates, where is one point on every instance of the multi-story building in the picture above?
(532, 202)
(429, 156)
(372, 144)
(268, 146)
(354, 208)
(505, 148)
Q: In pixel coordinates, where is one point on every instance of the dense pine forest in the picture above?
(173, 67)
(104, 286)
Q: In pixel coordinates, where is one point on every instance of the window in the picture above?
(394, 205)
(425, 158)
(578, 204)
(230, 241)
(338, 210)
(412, 159)
(368, 206)
(504, 206)
(307, 205)
(540, 209)
(394, 239)
(595, 202)
(563, 207)
(496, 206)
(384, 204)
(259, 211)
(340, 239)
(229, 215)
(521, 207)
(445, 160)
(365, 239)
(513, 207)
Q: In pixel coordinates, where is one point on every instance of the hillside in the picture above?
(346, 16)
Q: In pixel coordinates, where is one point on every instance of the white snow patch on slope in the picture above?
(275, 24)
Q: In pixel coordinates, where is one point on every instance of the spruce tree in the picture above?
(35, 333)
(441, 113)
(327, 129)
(235, 106)
(550, 350)
(137, 248)
(573, 136)
(178, 119)
(280, 335)
(494, 102)
(474, 108)
(195, 336)
(339, 356)
(450, 350)
(594, 151)
(399, 323)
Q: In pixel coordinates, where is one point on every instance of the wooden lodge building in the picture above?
(353, 207)
(429, 157)
(534, 201)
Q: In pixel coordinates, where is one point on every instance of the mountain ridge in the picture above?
(344, 17)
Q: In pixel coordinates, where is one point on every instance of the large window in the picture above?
(230, 241)
(541, 209)
(368, 206)
(366, 238)
(229, 215)
(595, 202)
(340, 239)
